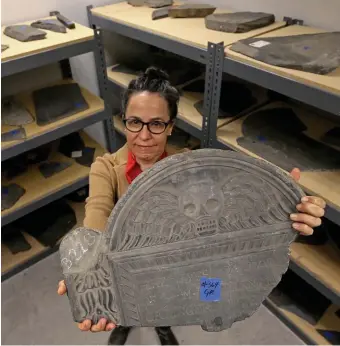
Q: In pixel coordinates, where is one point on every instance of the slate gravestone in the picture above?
(191, 10)
(238, 22)
(201, 238)
(158, 3)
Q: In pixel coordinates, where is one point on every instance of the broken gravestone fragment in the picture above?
(160, 13)
(136, 2)
(158, 3)
(191, 10)
(24, 33)
(238, 22)
(201, 238)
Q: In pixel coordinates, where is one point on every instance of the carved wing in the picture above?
(250, 201)
(156, 220)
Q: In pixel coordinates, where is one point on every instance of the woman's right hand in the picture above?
(85, 326)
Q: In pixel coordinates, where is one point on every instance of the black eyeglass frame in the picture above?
(147, 125)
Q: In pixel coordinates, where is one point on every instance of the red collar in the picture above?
(133, 169)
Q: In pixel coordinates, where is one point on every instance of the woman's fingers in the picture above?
(110, 326)
(306, 219)
(318, 201)
(85, 326)
(61, 287)
(303, 228)
(100, 326)
(311, 209)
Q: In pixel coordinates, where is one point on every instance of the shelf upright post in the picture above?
(212, 91)
(103, 83)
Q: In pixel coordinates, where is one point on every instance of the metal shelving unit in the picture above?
(20, 57)
(218, 60)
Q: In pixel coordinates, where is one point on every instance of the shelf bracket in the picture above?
(100, 62)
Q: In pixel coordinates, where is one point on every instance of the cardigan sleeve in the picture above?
(102, 194)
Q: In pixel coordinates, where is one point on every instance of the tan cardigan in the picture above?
(107, 183)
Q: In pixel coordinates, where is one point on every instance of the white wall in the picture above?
(320, 13)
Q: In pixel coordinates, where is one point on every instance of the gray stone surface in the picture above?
(201, 238)
(191, 10)
(24, 33)
(49, 24)
(160, 13)
(136, 2)
(158, 3)
(14, 113)
(238, 22)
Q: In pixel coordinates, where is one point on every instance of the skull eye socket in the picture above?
(190, 208)
(212, 204)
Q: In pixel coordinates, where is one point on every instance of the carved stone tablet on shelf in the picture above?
(238, 22)
(201, 238)
(191, 10)
(136, 2)
(158, 3)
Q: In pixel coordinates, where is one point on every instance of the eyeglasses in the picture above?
(156, 126)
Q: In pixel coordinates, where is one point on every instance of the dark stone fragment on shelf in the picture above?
(158, 3)
(238, 22)
(201, 238)
(136, 3)
(314, 53)
(14, 239)
(191, 11)
(276, 134)
(49, 24)
(87, 157)
(10, 194)
(71, 145)
(332, 137)
(13, 135)
(13, 113)
(24, 33)
(49, 223)
(50, 168)
(57, 102)
(160, 13)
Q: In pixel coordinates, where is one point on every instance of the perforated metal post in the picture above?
(103, 84)
(216, 94)
(208, 92)
(212, 91)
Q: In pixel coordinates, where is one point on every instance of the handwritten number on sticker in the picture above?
(210, 289)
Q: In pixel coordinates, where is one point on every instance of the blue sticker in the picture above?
(210, 289)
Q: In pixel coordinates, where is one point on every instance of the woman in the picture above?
(149, 110)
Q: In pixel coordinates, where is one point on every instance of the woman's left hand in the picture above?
(310, 210)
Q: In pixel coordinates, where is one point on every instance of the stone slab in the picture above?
(158, 3)
(238, 22)
(201, 238)
(160, 13)
(191, 10)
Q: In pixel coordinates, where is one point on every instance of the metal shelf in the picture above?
(171, 45)
(32, 61)
(41, 191)
(22, 260)
(314, 96)
(39, 135)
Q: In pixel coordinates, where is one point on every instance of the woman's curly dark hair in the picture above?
(154, 80)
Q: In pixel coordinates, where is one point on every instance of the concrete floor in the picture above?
(33, 314)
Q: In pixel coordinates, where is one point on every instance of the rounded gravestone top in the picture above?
(200, 238)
